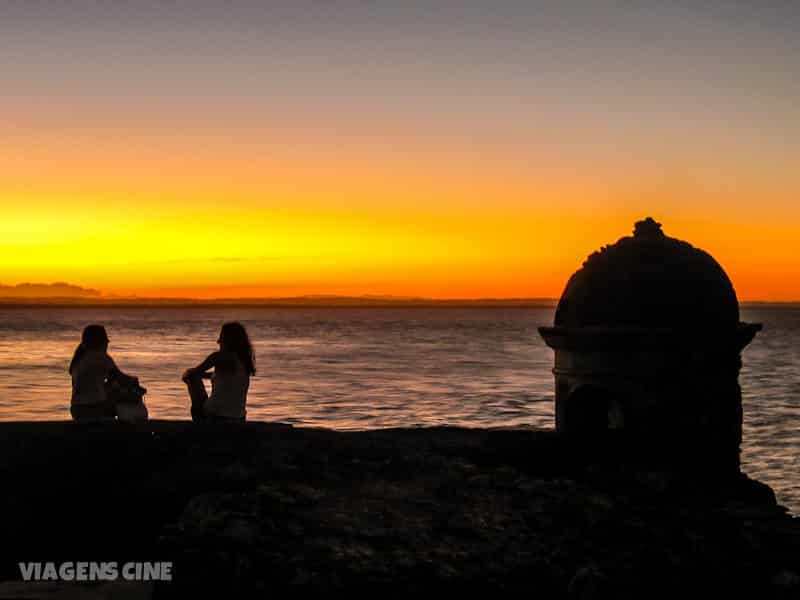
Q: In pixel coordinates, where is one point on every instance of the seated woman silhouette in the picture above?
(93, 371)
(233, 365)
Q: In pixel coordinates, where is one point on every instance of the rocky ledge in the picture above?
(260, 510)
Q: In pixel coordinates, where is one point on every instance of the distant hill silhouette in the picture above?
(47, 290)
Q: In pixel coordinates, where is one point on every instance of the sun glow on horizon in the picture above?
(232, 254)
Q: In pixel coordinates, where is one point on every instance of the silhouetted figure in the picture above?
(99, 388)
(233, 365)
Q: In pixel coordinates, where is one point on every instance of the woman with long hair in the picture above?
(92, 370)
(233, 365)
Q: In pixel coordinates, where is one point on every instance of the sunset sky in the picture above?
(439, 149)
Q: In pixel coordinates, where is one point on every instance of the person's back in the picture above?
(89, 376)
(229, 386)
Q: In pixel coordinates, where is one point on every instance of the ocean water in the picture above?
(371, 368)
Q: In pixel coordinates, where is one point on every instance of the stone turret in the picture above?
(647, 339)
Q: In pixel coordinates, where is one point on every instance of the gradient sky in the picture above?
(459, 149)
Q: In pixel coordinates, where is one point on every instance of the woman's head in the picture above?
(94, 337)
(233, 338)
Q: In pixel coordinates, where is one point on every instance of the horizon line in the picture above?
(331, 300)
(311, 300)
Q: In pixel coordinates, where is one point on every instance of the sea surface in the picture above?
(356, 368)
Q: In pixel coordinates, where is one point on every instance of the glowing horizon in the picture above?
(351, 150)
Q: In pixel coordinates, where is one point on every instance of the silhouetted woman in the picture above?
(91, 369)
(233, 365)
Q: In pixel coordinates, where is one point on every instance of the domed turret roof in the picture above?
(649, 280)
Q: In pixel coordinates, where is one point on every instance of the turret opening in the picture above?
(594, 409)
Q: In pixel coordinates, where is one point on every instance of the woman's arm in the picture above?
(113, 372)
(208, 363)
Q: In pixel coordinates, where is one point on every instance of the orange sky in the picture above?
(391, 154)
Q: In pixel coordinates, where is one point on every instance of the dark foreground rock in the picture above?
(266, 511)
